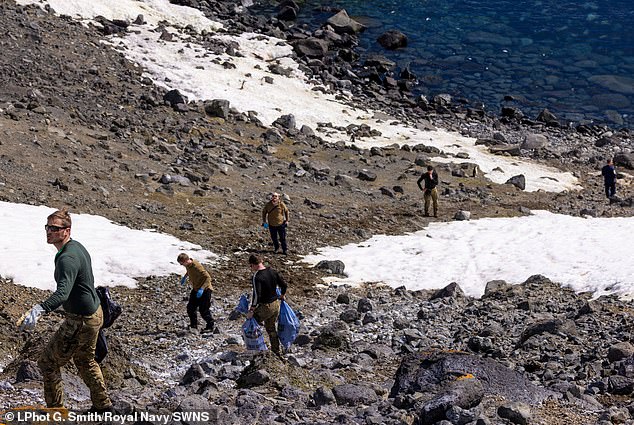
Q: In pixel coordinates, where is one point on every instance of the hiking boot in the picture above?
(192, 330)
(209, 330)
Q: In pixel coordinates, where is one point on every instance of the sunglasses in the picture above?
(53, 228)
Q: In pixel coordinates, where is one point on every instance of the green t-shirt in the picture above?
(75, 282)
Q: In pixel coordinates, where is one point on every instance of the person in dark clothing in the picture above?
(76, 337)
(609, 178)
(430, 178)
(265, 304)
(200, 295)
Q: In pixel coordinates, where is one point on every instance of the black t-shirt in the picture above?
(264, 284)
(430, 181)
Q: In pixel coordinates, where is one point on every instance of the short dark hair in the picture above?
(182, 257)
(430, 168)
(255, 259)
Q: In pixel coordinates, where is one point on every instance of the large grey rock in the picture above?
(331, 266)
(343, 24)
(620, 351)
(534, 141)
(333, 335)
(551, 326)
(218, 108)
(624, 159)
(366, 175)
(364, 305)
(440, 372)
(392, 39)
(518, 181)
(350, 315)
(452, 290)
(462, 215)
(354, 395)
(323, 396)
(311, 47)
(516, 412)
(194, 373)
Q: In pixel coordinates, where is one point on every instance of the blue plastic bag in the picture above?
(243, 304)
(252, 335)
(287, 325)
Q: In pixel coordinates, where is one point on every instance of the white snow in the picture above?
(586, 254)
(188, 67)
(118, 253)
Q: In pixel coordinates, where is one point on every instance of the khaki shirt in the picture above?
(275, 215)
(198, 276)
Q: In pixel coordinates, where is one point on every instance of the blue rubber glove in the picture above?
(200, 293)
(183, 279)
(265, 225)
(30, 320)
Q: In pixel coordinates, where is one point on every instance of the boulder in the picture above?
(548, 118)
(366, 175)
(331, 266)
(354, 395)
(392, 39)
(518, 181)
(620, 351)
(343, 24)
(452, 290)
(218, 108)
(462, 215)
(534, 141)
(333, 335)
(449, 378)
(311, 47)
(517, 413)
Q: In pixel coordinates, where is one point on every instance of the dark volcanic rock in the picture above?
(354, 395)
(392, 39)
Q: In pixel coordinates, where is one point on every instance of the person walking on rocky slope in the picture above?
(609, 178)
(275, 216)
(265, 304)
(200, 295)
(76, 337)
(430, 177)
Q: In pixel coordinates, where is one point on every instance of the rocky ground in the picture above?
(80, 126)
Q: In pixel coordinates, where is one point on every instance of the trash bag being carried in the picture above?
(287, 325)
(252, 335)
(243, 304)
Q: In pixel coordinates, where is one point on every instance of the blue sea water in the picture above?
(575, 58)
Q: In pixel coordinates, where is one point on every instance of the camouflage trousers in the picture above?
(267, 314)
(75, 339)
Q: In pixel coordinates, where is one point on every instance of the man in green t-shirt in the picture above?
(76, 337)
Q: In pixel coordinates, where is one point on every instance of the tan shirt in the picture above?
(275, 215)
(198, 276)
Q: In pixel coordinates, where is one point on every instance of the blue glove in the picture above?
(30, 320)
(265, 225)
(200, 293)
(183, 279)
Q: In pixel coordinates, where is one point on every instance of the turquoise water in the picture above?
(574, 57)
